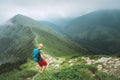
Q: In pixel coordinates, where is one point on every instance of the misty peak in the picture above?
(19, 16)
(21, 19)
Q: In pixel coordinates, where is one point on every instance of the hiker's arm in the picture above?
(42, 56)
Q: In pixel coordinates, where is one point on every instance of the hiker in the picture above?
(40, 59)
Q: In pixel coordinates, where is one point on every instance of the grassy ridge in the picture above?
(56, 45)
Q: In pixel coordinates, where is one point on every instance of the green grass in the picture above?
(96, 56)
(67, 73)
(104, 76)
(76, 72)
(55, 45)
(27, 70)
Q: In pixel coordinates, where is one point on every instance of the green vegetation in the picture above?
(18, 38)
(56, 45)
(16, 44)
(104, 76)
(96, 56)
(97, 31)
(25, 72)
(76, 72)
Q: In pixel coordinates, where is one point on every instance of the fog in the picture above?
(47, 9)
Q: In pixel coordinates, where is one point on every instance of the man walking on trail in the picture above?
(41, 60)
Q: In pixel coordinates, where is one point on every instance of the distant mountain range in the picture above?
(98, 31)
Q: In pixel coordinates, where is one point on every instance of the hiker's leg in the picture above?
(41, 69)
(37, 65)
(41, 66)
(44, 67)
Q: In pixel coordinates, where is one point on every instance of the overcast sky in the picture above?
(45, 9)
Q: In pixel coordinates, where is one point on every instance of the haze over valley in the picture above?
(81, 39)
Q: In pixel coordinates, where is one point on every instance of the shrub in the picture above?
(76, 72)
(92, 68)
(105, 76)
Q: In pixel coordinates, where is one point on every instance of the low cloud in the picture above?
(44, 9)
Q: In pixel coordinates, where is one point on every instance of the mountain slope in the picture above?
(51, 25)
(55, 43)
(16, 44)
(15, 41)
(98, 31)
(67, 69)
(17, 38)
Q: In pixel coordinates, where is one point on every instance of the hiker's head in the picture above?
(40, 46)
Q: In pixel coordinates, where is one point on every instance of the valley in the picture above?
(83, 48)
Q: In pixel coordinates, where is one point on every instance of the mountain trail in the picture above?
(36, 37)
(53, 64)
(106, 64)
(35, 76)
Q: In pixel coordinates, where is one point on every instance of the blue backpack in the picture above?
(36, 55)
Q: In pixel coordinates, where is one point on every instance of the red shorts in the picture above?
(42, 63)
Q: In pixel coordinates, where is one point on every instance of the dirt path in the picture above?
(36, 42)
(53, 63)
(35, 76)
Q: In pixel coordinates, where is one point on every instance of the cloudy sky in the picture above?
(45, 9)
